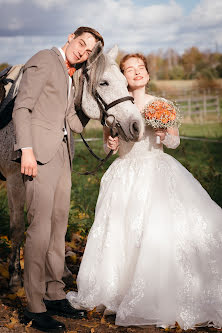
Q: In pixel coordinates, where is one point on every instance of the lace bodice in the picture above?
(144, 146)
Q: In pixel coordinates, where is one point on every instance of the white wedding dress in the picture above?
(154, 252)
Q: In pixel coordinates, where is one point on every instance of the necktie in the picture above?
(71, 69)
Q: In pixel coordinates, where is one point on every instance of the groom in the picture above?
(43, 116)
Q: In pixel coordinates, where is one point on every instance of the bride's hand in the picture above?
(113, 143)
(161, 132)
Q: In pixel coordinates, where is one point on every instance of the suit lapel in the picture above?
(62, 62)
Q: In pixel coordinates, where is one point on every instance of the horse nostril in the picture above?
(134, 129)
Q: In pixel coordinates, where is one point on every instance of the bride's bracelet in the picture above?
(171, 141)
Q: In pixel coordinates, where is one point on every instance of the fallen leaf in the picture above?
(72, 244)
(11, 296)
(91, 325)
(178, 328)
(73, 258)
(22, 263)
(90, 313)
(29, 324)
(4, 271)
(77, 237)
(22, 258)
(113, 326)
(27, 327)
(103, 321)
(13, 322)
(20, 292)
(92, 330)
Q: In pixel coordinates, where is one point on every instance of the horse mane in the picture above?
(95, 71)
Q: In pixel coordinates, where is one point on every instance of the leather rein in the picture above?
(104, 107)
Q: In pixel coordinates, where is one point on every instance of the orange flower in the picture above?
(160, 112)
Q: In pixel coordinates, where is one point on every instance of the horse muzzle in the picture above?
(132, 131)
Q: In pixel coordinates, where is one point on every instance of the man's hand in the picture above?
(28, 163)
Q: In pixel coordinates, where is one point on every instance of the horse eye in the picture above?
(104, 83)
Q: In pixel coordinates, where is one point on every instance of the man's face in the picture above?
(79, 48)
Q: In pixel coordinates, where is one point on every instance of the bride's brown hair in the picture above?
(133, 55)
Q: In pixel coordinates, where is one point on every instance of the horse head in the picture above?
(103, 95)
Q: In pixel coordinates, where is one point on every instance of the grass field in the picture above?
(183, 87)
(210, 131)
(202, 159)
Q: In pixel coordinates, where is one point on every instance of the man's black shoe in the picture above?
(43, 322)
(63, 308)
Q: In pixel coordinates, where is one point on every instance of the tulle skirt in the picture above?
(154, 252)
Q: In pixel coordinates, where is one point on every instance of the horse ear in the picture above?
(96, 52)
(113, 53)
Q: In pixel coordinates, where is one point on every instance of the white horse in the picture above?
(101, 93)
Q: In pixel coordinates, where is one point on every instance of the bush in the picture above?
(204, 83)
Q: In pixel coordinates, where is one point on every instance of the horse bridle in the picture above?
(104, 107)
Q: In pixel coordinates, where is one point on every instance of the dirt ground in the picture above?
(12, 320)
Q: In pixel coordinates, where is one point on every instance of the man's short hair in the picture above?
(92, 31)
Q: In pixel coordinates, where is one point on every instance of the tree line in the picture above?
(169, 65)
(191, 65)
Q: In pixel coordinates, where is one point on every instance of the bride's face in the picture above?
(135, 73)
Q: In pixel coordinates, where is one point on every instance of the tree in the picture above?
(191, 59)
(177, 73)
(219, 66)
(3, 66)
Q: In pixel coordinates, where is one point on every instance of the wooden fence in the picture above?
(205, 107)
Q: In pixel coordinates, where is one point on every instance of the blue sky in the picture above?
(27, 26)
(188, 5)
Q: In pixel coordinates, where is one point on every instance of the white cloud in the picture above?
(9, 2)
(44, 23)
(48, 4)
(207, 13)
(14, 23)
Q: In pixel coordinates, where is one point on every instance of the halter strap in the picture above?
(120, 100)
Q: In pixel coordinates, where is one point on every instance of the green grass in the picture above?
(211, 131)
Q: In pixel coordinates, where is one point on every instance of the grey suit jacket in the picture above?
(42, 108)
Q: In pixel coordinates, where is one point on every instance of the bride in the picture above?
(153, 254)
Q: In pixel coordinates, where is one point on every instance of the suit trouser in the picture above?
(48, 201)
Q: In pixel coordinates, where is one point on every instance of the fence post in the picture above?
(189, 107)
(218, 107)
(205, 105)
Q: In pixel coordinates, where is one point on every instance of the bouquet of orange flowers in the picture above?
(161, 113)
